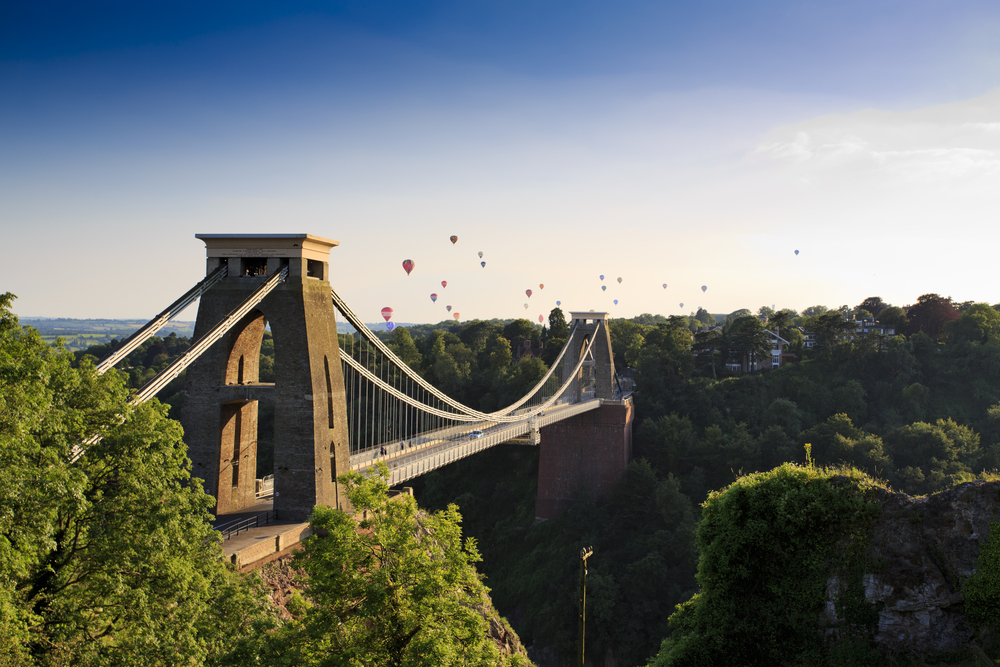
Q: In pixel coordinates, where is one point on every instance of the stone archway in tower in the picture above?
(239, 419)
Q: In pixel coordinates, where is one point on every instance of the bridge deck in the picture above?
(449, 445)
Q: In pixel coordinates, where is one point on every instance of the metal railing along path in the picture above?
(404, 466)
(243, 525)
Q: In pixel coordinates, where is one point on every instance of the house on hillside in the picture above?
(862, 328)
(527, 350)
(776, 358)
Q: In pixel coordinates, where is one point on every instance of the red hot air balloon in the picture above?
(387, 313)
(434, 297)
(454, 240)
(541, 286)
(408, 265)
(528, 292)
(540, 318)
(456, 315)
(444, 283)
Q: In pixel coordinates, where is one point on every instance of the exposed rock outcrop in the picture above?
(922, 551)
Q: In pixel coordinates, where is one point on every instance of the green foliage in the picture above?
(396, 588)
(768, 543)
(981, 591)
(109, 557)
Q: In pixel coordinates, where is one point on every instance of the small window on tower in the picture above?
(314, 269)
(255, 267)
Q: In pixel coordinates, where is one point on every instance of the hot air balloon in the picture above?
(390, 326)
(456, 315)
(387, 313)
(434, 297)
(796, 252)
(664, 286)
(480, 254)
(604, 288)
(448, 308)
(541, 286)
(482, 264)
(454, 240)
(704, 288)
(408, 265)
(444, 283)
(528, 292)
(616, 302)
(558, 303)
(526, 306)
(682, 305)
(602, 277)
(540, 319)
(619, 281)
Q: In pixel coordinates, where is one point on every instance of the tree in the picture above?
(812, 311)
(893, 316)
(979, 323)
(627, 339)
(706, 318)
(558, 327)
(748, 341)
(830, 329)
(109, 557)
(873, 304)
(396, 588)
(742, 312)
(519, 331)
(402, 344)
(930, 315)
(707, 345)
(476, 334)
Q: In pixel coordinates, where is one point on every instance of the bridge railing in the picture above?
(242, 525)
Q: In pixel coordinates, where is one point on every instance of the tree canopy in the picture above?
(109, 558)
(396, 588)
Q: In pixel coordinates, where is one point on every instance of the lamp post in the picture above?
(585, 553)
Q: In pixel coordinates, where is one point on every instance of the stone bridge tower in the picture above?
(583, 456)
(223, 390)
(598, 372)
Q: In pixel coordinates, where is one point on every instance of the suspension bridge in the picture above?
(343, 400)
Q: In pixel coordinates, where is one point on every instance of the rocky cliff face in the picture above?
(922, 551)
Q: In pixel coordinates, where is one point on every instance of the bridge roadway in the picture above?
(439, 448)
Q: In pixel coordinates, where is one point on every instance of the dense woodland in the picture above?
(920, 411)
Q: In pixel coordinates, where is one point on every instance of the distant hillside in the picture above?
(81, 334)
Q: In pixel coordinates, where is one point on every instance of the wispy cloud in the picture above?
(947, 143)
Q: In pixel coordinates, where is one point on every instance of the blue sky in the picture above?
(681, 143)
